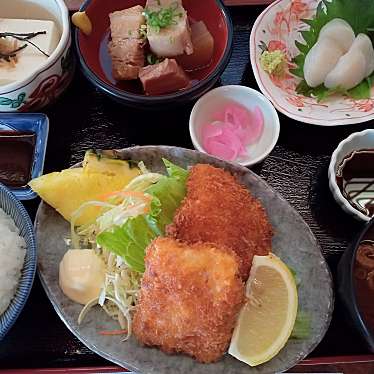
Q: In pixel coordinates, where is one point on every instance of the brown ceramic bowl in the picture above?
(96, 62)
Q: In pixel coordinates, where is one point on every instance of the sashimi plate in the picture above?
(293, 242)
(278, 27)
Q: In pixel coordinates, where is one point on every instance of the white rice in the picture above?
(12, 257)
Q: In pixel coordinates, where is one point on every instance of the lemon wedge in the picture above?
(266, 320)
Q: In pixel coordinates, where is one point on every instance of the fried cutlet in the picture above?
(219, 210)
(189, 300)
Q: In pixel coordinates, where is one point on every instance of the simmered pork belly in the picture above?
(175, 39)
(126, 48)
(165, 77)
(126, 23)
(203, 48)
(127, 58)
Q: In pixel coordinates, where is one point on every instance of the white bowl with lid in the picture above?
(52, 77)
(363, 140)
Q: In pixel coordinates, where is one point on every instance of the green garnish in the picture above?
(130, 240)
(162, 18)
(302, 326)
(360, 15)
(153, 59)
(143, 32)
(274, 62)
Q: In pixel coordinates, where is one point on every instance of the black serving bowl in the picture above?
(348, 290)
(96, 63)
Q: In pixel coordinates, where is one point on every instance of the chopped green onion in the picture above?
(162, 18)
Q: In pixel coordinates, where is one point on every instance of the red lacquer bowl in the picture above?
(96, 62)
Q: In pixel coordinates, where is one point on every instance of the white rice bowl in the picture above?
(12, 257)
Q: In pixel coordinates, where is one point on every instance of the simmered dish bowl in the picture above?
(158, 49)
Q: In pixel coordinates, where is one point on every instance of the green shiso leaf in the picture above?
(360, 15)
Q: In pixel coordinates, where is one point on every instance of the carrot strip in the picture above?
(112, 332)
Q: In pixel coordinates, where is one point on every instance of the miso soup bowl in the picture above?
(347, 289)
(96, 63)
(45, 84)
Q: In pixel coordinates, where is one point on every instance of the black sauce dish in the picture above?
(95, 61)
(349, 288)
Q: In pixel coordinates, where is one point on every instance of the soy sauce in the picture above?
(355, 179)
(16, 157)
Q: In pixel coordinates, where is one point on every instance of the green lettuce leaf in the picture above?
(130, 240)
(302, 327)
(360, 15)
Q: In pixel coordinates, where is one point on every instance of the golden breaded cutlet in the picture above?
(219, 210)
(189, 300)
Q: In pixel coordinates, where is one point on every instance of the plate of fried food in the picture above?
(163, 260)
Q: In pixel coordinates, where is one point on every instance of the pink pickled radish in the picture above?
(220, 150)
(232, 130)
(237, 115)
(257, 126)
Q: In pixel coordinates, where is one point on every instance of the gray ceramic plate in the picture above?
(293, 242)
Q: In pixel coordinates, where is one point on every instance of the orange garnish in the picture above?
(112, 332)
(146, 199)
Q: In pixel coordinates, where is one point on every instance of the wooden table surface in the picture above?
(84, 118)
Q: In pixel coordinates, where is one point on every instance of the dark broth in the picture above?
(364, 278)
(355, 178)
(16, 157)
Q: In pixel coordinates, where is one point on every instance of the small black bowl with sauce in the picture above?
(356, 283)
(23, 140)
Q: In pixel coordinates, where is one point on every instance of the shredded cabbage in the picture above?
(143, 208)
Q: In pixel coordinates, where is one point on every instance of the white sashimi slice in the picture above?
(364, 44)
(320, 60)
(354, 66)
(348, 72)
(339, 30)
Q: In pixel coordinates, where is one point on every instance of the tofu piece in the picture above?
(173, 40)
(127, 58)
(126, 23)
(189, 300)
(29, 59)
(162, 78)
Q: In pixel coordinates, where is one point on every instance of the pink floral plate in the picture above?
(278, 27)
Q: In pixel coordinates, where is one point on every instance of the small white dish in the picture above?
(278, 27)
(52, 78)
(205, 108)
(354, 142)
